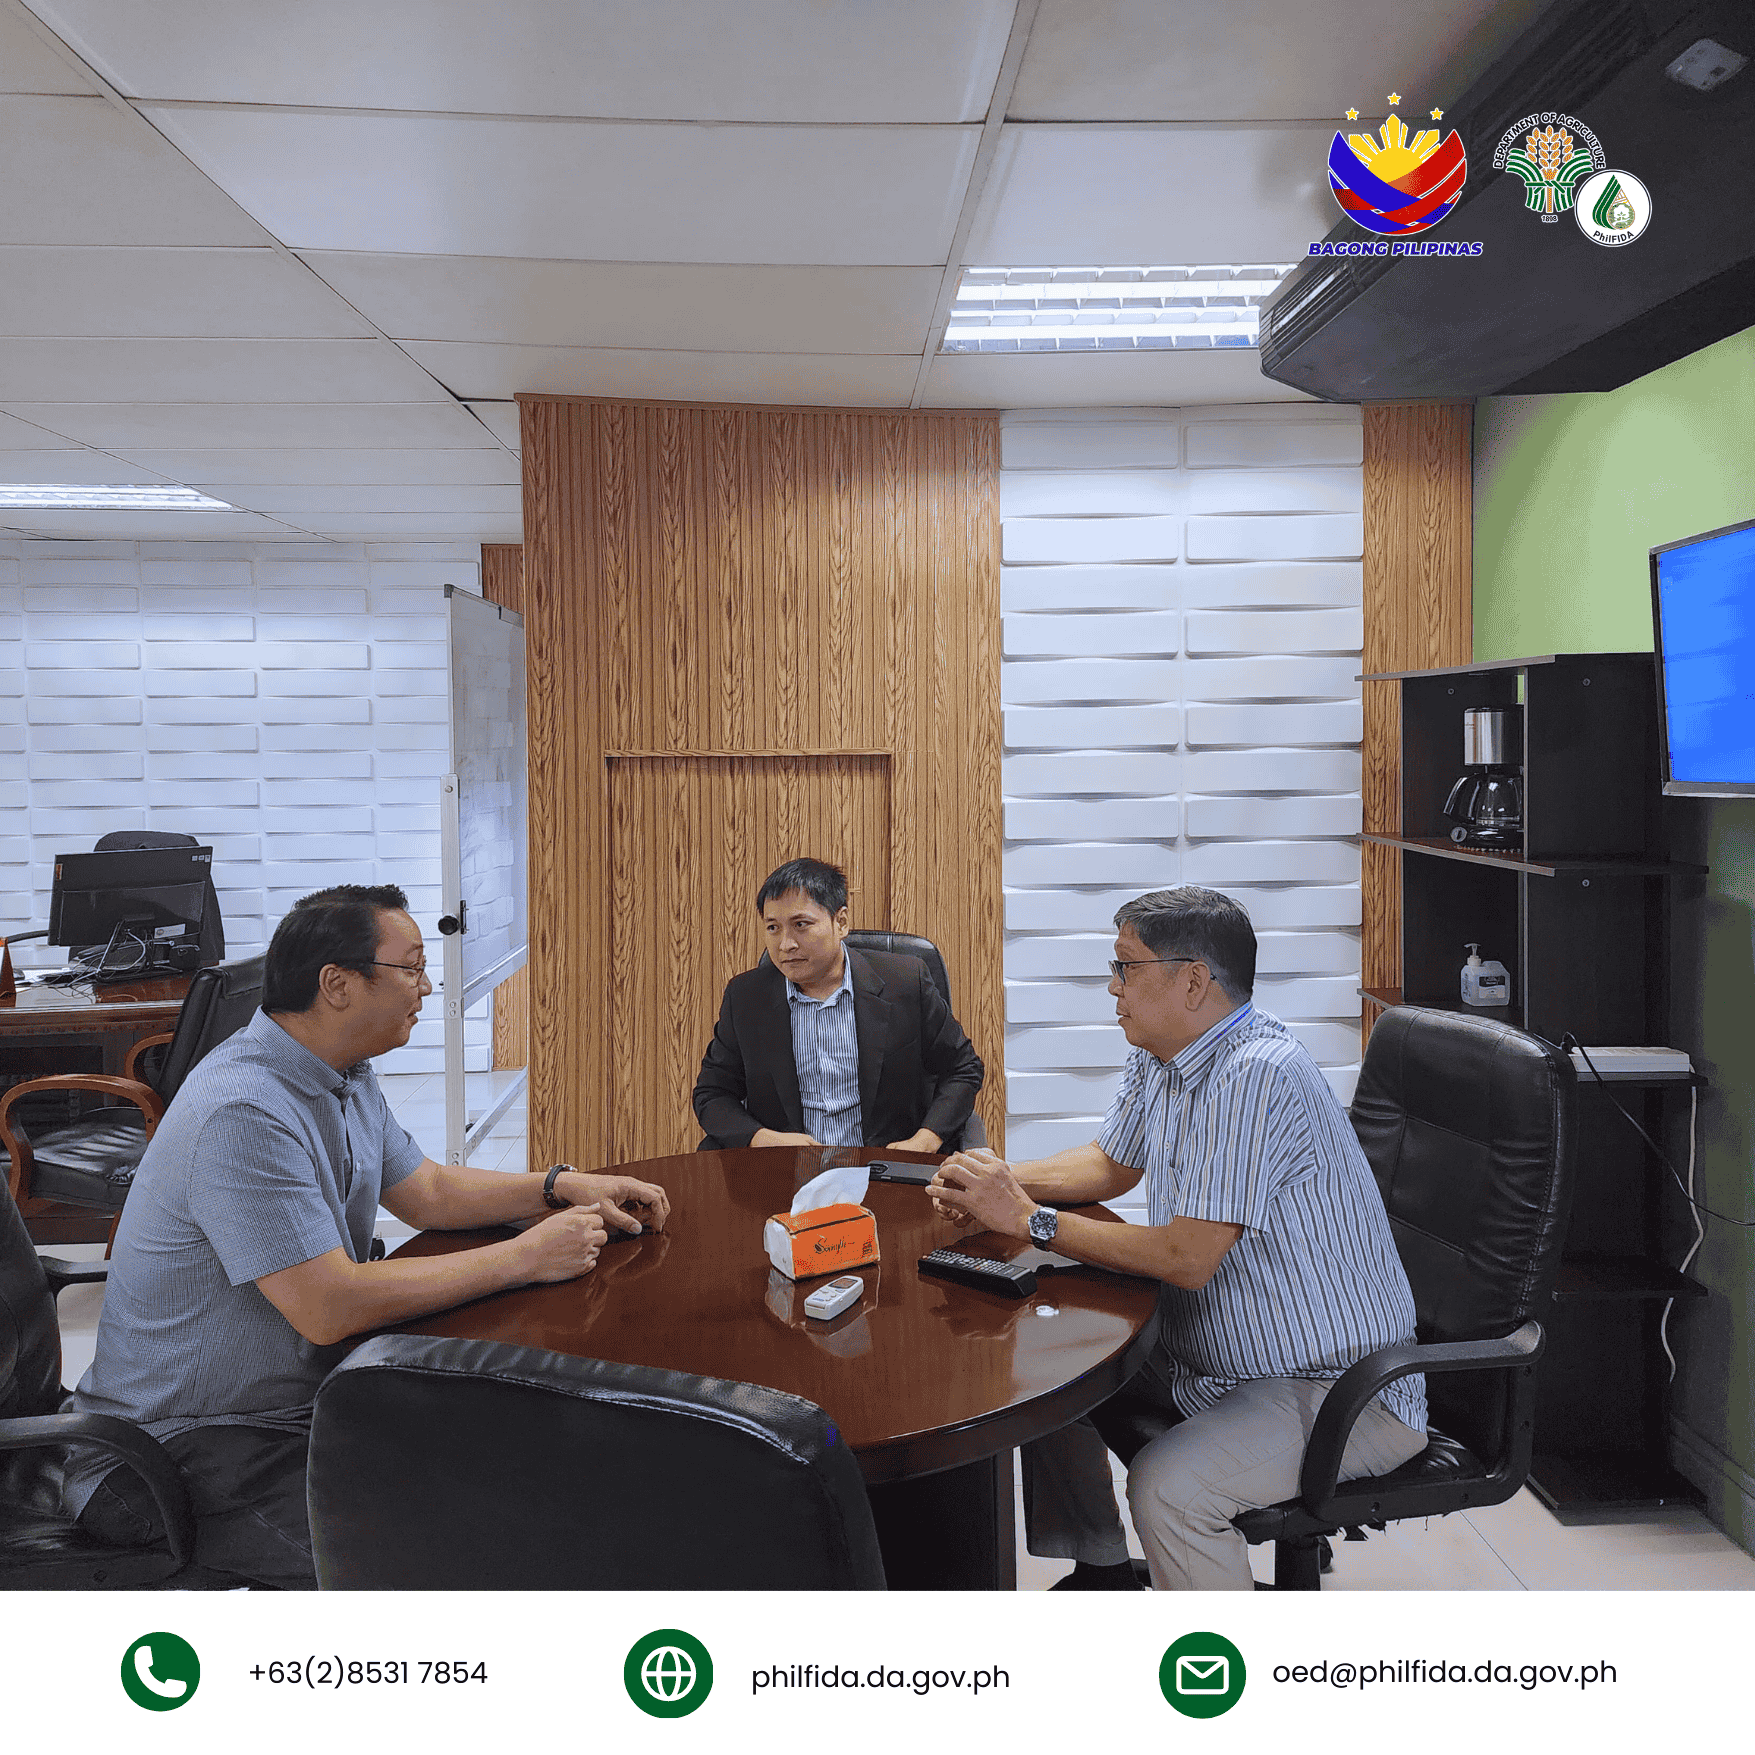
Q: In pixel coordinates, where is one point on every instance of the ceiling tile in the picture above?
(586, 191)
(501, 419)
(80, 171)
(145, 526)
(64, 291)
(221, 471)
(28, 64)
(1144, 60)
(711, 308)
(19, 435)
(759, 60)
(210, 371)
(273, 426)
(1061, 197)
(412, 526)
(87, 468)
(861, 381)
(1097, 380)
(341, 501)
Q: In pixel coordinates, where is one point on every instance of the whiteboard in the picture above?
(487, 760)
(483, 846)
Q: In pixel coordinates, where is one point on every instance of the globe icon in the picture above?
(668, 1673)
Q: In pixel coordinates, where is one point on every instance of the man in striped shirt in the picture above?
(1266, 1232)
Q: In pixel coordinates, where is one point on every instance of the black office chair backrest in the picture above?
(907, 944)
(30, 1337)
(220, 1001)
(472, 1465)
(1469, 1127)
(212, 932)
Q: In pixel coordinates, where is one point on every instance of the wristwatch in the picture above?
(1044, 1222)
(549, 1197)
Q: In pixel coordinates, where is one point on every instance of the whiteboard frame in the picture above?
(461, 1135)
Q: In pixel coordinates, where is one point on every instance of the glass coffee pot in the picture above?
(1485, 807)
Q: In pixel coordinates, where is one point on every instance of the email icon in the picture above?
(1203, 1675)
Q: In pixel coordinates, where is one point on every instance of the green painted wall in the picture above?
(1570, 493)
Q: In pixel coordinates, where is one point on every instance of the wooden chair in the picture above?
(91, 1162)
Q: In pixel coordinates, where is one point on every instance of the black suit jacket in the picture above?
(916, 1067)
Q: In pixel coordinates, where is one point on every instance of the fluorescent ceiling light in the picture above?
(71, 497)
(1085, 310)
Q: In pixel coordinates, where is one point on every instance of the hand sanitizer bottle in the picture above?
(1484, 983)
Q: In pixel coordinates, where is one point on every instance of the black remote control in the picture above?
(1003, 1277)
(886, 1170)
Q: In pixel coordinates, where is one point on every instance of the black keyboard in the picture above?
(1003, 1277)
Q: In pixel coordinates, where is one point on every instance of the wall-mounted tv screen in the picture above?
(1703, 626)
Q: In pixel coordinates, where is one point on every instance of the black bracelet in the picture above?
(549, 1197)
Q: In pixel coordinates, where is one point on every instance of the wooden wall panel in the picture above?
(1419, 615)
(502, 582)
(706, 585)
(703, 831)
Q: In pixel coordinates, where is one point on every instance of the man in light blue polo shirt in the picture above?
(242, 1257)
(1266, 1232)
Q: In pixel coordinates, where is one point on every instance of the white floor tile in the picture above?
(1673, 1548)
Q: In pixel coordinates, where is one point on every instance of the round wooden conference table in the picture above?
(931, 1382)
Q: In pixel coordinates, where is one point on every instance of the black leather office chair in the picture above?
(40, 1547)
(1469, 1129)
(472, 1465)
(91, 1161)
(909, 944)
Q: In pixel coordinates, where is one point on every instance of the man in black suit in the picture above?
(821, 1044)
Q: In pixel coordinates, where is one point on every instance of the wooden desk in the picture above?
(111, 1019)
(63, 1029)
(932, 1383)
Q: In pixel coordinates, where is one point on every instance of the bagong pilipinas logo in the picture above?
(1393, 186)
(1550, 154)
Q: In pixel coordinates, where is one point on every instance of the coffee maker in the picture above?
(1486, 804)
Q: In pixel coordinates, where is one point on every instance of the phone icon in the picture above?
(174, 1689)
(160, 1672)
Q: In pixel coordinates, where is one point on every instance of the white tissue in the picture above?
(847, 1184)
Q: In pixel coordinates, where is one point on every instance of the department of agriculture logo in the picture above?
(668, 1673)
(1202, 1675)
(161, 1672)
(1613, 207)
(1393, 185)
(1550, 154)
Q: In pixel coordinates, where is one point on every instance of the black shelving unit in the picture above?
(1579, 915)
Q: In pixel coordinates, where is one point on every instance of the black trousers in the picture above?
(247, 1485)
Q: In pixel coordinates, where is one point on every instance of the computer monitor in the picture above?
(145, 908)
(1703, 624)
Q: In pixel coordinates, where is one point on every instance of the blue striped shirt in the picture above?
(825, 1052)
(1242, 1128)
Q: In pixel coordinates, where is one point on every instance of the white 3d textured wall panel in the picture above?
(285, 702)
(1182, 596)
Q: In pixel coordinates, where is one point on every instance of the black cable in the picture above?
(1568, 1042)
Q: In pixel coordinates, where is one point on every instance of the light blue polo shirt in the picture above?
(267, 1157)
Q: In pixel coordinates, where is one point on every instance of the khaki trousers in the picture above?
(1184, 1488)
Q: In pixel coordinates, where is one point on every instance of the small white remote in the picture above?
(832, 1299)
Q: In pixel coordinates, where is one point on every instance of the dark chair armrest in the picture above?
(139, 1450)
(62, 1274)
(15, 938)
(1361, 1381)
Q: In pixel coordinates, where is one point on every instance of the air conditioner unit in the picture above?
(1542, 308)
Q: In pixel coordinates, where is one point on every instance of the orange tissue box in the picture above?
(825, 1240)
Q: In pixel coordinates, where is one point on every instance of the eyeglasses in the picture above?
(1119, 970)
(417, 970)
